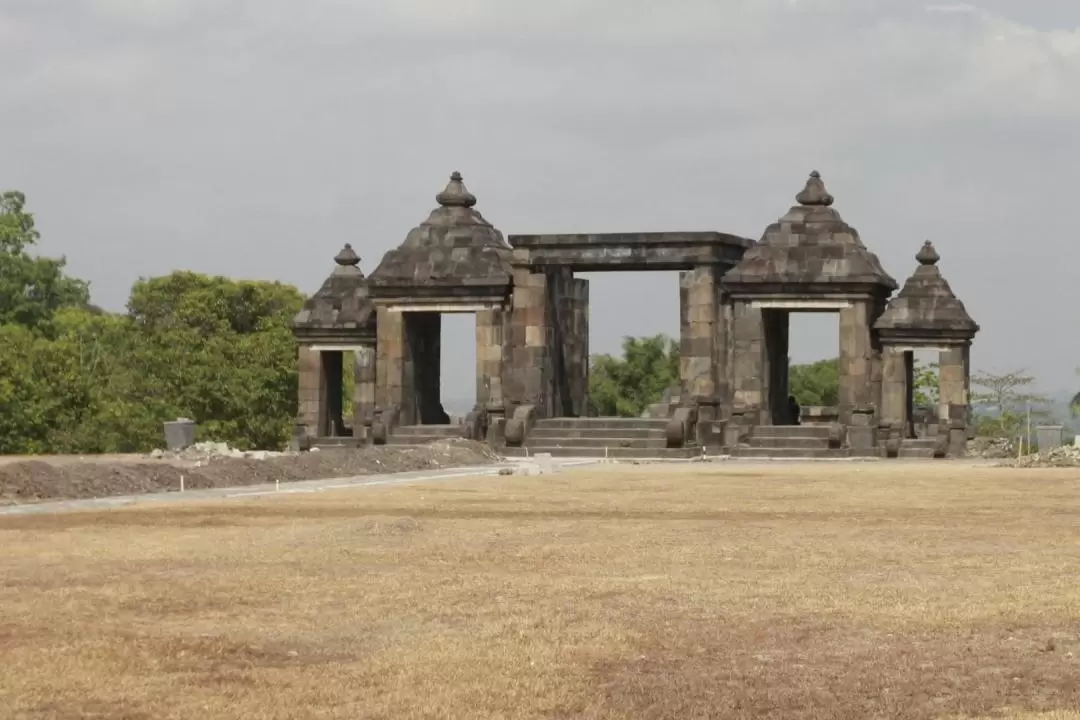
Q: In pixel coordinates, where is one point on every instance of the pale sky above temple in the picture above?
(252, 138)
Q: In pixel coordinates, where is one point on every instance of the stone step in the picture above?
(615, 452)
(334, 442)
(595, 442)
(602, 423)
(913, 443)
(790, 453)
(916, 452)
(791, 431)
(809, 443)
(599, 433)
(414, 440)
(443, 431)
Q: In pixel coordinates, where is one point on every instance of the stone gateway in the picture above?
(532, 341)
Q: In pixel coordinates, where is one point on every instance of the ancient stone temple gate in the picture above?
(532, 349)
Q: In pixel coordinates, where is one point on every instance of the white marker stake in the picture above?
(181, 483)
(277, 484)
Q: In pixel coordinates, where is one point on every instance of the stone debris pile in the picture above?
(1064, 456)
(209, 451)
(991, 448)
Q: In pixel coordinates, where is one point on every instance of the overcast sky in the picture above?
(252, 138)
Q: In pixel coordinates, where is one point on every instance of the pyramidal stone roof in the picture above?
(926, 306)
(810, 249)
(455, 253)
(341, 311)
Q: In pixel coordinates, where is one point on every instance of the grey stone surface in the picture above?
(926, 310)
(631, 251)
(453, 255)
(809, 251)
(736, 297)
(341, 310)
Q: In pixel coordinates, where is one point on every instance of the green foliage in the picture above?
(1005, 402)
(816, 383)
(32, 288)
(624, 387)
(76, 380)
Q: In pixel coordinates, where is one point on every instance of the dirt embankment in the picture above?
(41, 479)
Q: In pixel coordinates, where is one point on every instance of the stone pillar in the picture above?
(489, 359)
(390, 361)
(698, 314)
(310, 389)
(953, 380)
(577, 347)
(856, 360)
(529, 376)
(894, 394)
(567, 348)
(748, 364)
(722, 349)
(364, 373)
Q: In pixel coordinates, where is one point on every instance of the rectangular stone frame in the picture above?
(318, 364)
(954, 389)
(409, 365)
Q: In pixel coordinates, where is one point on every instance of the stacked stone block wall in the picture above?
(529, 332)
(699, 313)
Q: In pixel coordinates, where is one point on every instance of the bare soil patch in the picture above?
(71, 478)
(777, 591)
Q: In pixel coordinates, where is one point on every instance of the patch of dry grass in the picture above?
(782, 591)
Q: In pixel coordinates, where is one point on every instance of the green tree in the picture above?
(220, 352)
(1005, 401)
(624, 387)
(927, 384)
(31, 288)
(816, 383)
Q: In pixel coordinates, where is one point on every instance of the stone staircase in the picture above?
(413, 435)
(918, 448)
(789, 441)
(602, 437)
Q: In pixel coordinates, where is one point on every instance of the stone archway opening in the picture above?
(458, 380)
(922, 366)
(639, 306)
(813, 366)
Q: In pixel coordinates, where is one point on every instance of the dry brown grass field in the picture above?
(702, 591)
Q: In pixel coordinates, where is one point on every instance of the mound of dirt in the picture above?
(38, 480)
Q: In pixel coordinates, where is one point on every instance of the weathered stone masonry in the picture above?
(736, 297)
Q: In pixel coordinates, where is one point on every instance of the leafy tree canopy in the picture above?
(626, 386)
(32, 288)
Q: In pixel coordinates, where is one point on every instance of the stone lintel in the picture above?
(446, 307)
(800, 291)
(340, 336)
(628, 251)
(825, 305)
(923, 339)
(339, 348)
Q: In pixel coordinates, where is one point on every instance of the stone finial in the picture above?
(927, 255)
(455, 194)
(347, 257)
(815, 193)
